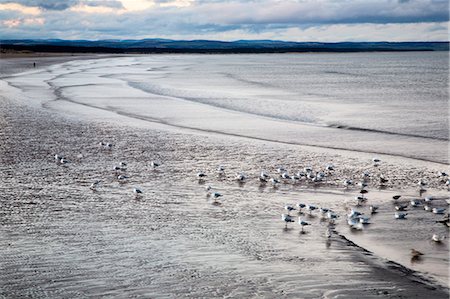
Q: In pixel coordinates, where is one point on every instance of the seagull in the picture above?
(216, 196)
(362, 184)
(427, 208)
(398, 215)
(262, 180)
(422, 184)
(285, 175)
(373, 209)
(447, 183)
(300, 207)
(383, 180)
(331, 215)
(428, 199)
(329, 167)
(137, 192)
(108, 145)
(286, 219)
(442, 174)
(365, 174)
(415, 203)
(154, 164)
(354, 223)
(401, 207)
(437, 238)
(281, 170)
(289, 208)
(360, 200)
(295, 178)
(264, 175)
(308, 169)
(310, 208)
(94, 185)
(310, 176)
(122, 178)
(220, 169)
(274, 181)
(117, 168)
(364, 219)
(354, 213)
(63, 161)
(438, 210)
(201, 175)
(301, 174)
(302, 223)
(415, 254)
(323, 211)
(58, 158)
(347, 183)
(240, 177)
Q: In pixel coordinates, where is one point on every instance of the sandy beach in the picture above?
(61, 239)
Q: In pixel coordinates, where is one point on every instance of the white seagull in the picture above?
(437, 238)
(399, 215)
(286, 219)
(302, 223)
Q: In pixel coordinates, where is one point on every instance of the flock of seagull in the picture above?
(355, 219)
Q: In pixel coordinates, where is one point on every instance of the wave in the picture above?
(351, 128)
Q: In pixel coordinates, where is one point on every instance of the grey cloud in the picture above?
(59, 5)
(45, 4)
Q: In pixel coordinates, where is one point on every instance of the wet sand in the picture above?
(61, 239)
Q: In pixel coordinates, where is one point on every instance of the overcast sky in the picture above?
(294, 20)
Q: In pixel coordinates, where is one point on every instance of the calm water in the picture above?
(383, 103)
(403, 93)
(61, 240)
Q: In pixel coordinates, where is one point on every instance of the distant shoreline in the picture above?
(156, 46)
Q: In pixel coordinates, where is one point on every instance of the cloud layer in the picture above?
(299, 20)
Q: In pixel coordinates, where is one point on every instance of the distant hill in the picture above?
(209, 46)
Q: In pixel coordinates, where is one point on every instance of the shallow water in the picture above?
(60, 239)
(394, 103)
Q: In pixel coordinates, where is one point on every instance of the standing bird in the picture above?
(329, 167)
(398, 215)
(137, 192)
(240, 177)
(300, 207)
(437, 238)
(216, 196)
(415, 254)
(286, 219)
(220, 169)
(415, 203)
(154, 164)
(201, 175)
(289, 208)
(396, 197)
(373, 209)
(310, 208)
(274, 182)
(347, 183)
(302, 223)
(94, 185)
(438, 210)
